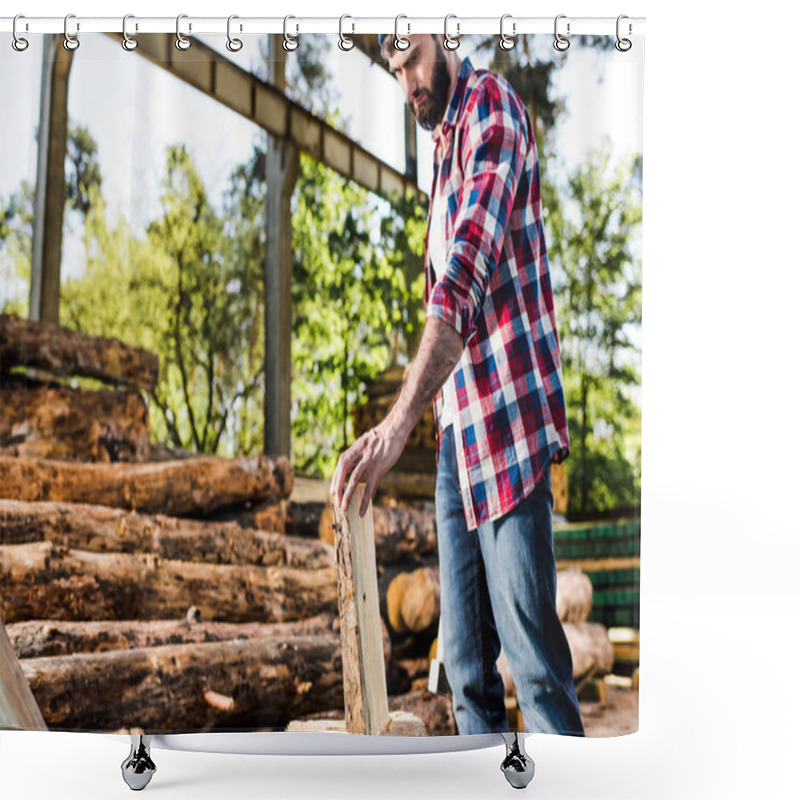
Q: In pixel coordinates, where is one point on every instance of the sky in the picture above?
(134, 110)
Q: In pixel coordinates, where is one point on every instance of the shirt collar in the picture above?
(449, 121)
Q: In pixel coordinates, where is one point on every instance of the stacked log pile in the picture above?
(144, 588)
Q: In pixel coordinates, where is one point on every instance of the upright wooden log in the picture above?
(42, 581)
(591, 649)
(187, 486)
(247, 683)
(61, 351)
(364, 672)
(101, 529)
(52, 421)
(18, 707)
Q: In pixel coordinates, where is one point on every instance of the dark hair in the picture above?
(387, 46)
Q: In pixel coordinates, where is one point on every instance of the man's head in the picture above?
(425, 71)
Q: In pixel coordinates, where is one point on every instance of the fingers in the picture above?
(355, 478)
(343, 466)
(368, 492)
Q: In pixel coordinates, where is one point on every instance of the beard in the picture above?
(430, 111)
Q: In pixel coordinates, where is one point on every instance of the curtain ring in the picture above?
(623, 45)
(181, 42)
(507, 42)
(71, 42)
(400, 42)
(128, 42)
(290, 43)
(18, 43)
(345, 42)
(450, 42)
(561, 43)
(233, 44)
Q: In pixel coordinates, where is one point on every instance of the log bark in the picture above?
(53, 421)
(50, 637)
(189, 486)
(61, 351)
(401, 532)
(101, 529)
(44, 581)
(173, 688)
(303, 519)
(263, 515)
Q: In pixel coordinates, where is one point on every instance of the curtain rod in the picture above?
(512, 26)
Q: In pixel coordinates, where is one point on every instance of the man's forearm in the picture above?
(439, 350)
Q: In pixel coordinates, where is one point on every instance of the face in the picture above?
(424, 77)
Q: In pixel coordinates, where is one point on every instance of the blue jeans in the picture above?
(498, 586)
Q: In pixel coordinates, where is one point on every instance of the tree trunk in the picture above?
(188, 486)
(43, 581)
(52, 421)
(61, 351)
(101, 529)
(40, 638)
(412, 600)
(248, 683)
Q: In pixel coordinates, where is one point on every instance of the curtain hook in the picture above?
(128, 42)
(561, 42)
(400, 42)
(290, 43)
(71, 42)
(507, 42)
(345, 42)
(623, 45)
(233, 44)
(450, 42)
(181, 42)
(18, 43)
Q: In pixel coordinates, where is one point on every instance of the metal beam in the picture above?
(266, 105)
(48, 208)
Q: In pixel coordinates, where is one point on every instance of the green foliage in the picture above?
(353, 311)
(592, 224)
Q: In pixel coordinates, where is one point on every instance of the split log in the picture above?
(364, 670)
(102, 529)
(61, 351)
(44, 581)
(412, 600)
(573, 595)
(49, 637)
(53, 421)
(190, 486)
(173, 688)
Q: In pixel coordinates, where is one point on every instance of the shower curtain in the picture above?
(228, 274)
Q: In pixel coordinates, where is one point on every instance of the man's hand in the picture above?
(370, 458)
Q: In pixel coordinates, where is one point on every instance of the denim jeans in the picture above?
(498, 586)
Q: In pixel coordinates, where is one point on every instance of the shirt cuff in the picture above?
(453, 308)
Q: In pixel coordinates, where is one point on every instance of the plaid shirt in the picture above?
(511, 421)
